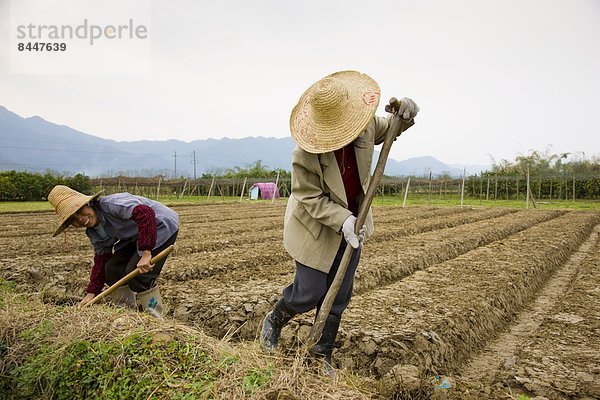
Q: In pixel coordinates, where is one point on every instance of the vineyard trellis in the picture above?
(21, 186)
(482, 186)
(201, 187)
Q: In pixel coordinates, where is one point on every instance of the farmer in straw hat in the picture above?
(335, 129)
(126, 231)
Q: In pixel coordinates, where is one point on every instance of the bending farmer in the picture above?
(126, 232)
(335, 130)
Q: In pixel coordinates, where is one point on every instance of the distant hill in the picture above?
(420, 166)
(36, 145)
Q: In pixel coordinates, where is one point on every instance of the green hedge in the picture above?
(25, 186)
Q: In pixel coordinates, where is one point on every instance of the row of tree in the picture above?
(254, 170)
(551, 176)
(548, 164)
(25, 186)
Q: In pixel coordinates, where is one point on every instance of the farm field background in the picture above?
(498, 300)
(413, 200)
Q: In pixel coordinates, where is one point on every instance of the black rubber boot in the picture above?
(274, 321)
(324, 347)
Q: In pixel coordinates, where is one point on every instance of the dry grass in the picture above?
(38, 339)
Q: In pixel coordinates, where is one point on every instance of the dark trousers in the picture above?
(125, 260)
(310, 286)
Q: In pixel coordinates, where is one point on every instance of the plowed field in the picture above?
(497, 300)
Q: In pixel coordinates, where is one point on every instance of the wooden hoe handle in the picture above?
(130, 276)
(394, 130)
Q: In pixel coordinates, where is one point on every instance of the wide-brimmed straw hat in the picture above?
(66, 202)
(334, 111)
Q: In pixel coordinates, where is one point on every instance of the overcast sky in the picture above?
(494, 79)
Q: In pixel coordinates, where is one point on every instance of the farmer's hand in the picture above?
(88, 297)
(361, 235)
(144, 264)
(408, 109)
(348, 231)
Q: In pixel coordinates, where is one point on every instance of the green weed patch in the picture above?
(133, 368)
(64, 352)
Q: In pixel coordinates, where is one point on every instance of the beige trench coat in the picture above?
(318, 207)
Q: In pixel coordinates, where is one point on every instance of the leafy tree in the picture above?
(79, 182)
(25, 186)
(254, 170)
(546, 163)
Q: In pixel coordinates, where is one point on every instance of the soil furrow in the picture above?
(571, 329)
(247, 252)
(245, 295)
(391, 261)
(404, 228)
(436, 319)
(220, 236)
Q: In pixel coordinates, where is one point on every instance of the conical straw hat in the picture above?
(66, 202)
(334, 111)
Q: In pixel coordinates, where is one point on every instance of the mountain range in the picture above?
(36, 145)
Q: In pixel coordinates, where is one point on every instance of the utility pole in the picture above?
(462, 188)
(194, 155)
(175, 173)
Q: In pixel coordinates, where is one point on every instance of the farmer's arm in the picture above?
(307, 190)
(97, 279)
(145, 218)
(380, 125)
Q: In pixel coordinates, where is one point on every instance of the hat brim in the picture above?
(316, 136)
(64, 223)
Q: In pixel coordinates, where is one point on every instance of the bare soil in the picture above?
(497, 301)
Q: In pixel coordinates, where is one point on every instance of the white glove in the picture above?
(408, 108)
(353, 239)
